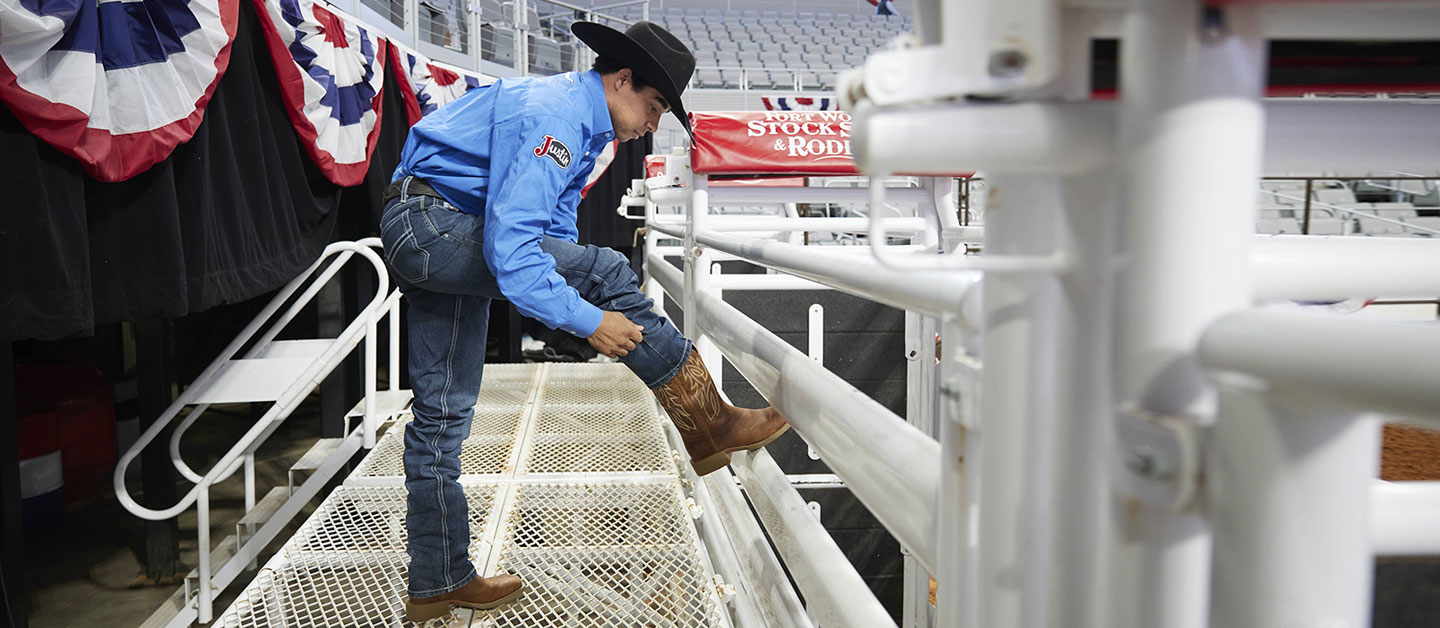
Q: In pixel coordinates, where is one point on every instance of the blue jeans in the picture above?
(434, 255)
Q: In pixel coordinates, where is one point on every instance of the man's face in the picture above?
(633, 112)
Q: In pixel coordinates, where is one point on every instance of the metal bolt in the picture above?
(1007, 63)
(1146, 463)
(950, 389)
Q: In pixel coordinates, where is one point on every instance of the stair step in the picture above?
(265, 508)
(221, 554)
(312, 460)
(388, 403)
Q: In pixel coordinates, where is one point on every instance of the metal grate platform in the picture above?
(572, 485)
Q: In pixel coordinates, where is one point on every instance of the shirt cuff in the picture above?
(586, 321)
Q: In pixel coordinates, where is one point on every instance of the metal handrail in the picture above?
(231, 460)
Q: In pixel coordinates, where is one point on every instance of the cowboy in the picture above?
(481, 207)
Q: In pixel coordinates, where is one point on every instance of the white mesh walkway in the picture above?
(572, 485)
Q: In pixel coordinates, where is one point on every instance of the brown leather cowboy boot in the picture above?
(479, 594)
(710, 427)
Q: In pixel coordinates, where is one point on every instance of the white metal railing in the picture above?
(1119, 439)
(898, 475)
(284, 372)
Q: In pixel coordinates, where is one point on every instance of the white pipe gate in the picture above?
(1116, 435)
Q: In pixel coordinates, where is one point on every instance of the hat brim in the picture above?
(616, 45)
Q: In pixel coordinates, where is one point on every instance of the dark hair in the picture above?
(608, 65)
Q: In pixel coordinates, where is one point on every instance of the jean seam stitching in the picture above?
(444, 424)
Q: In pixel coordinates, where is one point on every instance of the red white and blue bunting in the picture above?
(799, 103)
(433, 84)
(116, 85)
(331, 74)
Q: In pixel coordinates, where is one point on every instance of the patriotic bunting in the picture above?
(331, 82)
(799, 103)
(116, 85)
(433, 85)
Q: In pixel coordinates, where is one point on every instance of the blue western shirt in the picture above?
(517, 153)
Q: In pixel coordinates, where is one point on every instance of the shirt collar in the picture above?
(595, 93)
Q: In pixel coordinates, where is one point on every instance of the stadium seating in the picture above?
(776, 49)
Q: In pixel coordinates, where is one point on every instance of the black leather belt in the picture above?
(417, 186)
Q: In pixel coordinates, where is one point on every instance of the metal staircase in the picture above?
(572, 484)
(256, 367)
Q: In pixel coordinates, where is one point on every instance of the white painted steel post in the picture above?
(1405, 518)
(816, 338)
(204, 598)
(394, 364)
(697, 275)
(1080, 503)
(368, 420)
(250, 494)
(920, 404)
(1290, 490)
(1015, 439)
(1191, 128)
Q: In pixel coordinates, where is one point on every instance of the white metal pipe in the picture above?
(311, 377)
(891, 467)
(816, 333)
(902, 224)
(1323, 267)
(921, 385)
(696, 213)
(249, 482)
(1288, 492)
(931, 292)
(665, 276)
(1190, 128)
(368, 420)
(206, 597)
(721, 549)
(998, 138)
(175, 458)
(834, 592)
(1083, 424)
(676, 230)
(722, 196)
(1018, 416)
(769, 281)
(774, 596)
(1405, 518)
(1363, 364)
(703, 342)
(394, 320)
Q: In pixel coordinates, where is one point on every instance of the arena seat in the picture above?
(1277, 226)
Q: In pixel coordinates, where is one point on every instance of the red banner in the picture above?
(772, 142)
(654, 165)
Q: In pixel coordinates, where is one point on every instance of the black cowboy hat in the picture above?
(649, 51)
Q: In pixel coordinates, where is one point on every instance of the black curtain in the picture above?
(233, 213)
(598, 223)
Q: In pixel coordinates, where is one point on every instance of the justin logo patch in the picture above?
(554, 149)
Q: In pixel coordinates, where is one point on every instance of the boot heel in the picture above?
(421, 613)
(710, 464)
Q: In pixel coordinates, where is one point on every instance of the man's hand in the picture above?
(616, 335)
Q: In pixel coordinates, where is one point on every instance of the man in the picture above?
(483, 206)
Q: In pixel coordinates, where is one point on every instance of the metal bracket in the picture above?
(1158, 460)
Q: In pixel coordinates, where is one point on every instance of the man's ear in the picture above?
(622, 77)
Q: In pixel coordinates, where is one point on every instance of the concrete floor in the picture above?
(83, 572)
